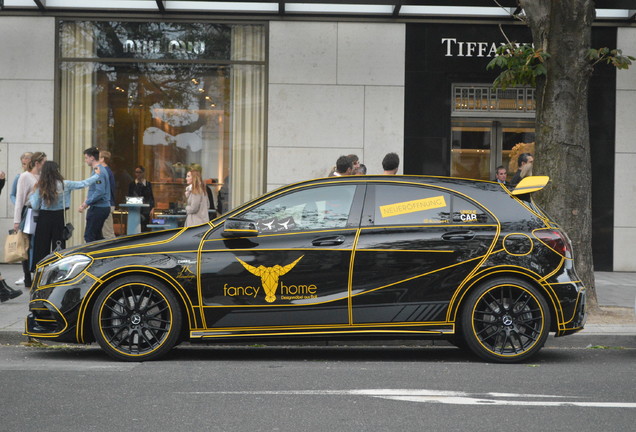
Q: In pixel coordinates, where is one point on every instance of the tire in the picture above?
(505, 320)
(136, 319)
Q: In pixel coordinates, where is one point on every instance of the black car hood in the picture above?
(131, 241)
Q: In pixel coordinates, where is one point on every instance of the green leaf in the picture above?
(614, 57)
(521, 64)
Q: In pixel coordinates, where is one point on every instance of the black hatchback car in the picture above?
(388, 257)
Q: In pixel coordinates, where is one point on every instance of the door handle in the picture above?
(328, 241)
(458, 235)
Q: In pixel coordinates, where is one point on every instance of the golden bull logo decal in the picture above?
(269, 276)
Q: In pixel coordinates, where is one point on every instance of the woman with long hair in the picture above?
(197, 200)
(24, 188)
(52, 194)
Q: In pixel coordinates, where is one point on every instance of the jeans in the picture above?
(95, 218)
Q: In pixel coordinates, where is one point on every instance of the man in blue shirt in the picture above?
(97, 201)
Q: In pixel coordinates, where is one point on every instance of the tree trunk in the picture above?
(563, 28)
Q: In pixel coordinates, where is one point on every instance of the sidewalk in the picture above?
(614, 290)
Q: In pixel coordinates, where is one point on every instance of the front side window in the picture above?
(315, 208)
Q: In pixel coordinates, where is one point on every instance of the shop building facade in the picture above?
(263, 101)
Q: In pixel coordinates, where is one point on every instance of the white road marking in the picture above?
(439, 396)
(476, 401)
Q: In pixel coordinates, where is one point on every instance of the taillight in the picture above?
(555, 240)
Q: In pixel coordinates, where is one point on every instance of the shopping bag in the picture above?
(16, 247)
(30, 221)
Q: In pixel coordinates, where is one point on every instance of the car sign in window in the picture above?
(466, 212)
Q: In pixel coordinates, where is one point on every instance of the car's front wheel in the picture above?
(136, 319)
(505, 320)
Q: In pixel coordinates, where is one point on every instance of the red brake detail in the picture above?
(555, 240)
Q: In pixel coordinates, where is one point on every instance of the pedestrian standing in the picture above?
(344, 166)
(25, 158)
(26, 183)
(390, 163)
(98, 199)
(108, 230)
(51, 196)
(197, 200)
(501, 174)
(141, 187)
(524, 162)
(6, 292)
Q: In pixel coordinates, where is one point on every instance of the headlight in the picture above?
(65, 269)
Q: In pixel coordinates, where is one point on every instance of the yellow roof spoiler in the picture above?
(530, 184)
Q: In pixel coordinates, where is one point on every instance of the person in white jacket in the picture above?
(197, 200)
(26, 184)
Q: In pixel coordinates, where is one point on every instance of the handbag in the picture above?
(16, 247)
(30, 221)
(67, 231)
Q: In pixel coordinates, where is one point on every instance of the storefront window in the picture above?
(471, 149)
(166, 96)
(479, 146)
(490, 127)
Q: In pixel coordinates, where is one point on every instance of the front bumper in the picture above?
(46, 321)
(54, 309)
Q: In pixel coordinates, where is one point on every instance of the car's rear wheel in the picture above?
(136, 319)
(505, 320)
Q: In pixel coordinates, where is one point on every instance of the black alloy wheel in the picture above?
(505, 320)
(136, 319)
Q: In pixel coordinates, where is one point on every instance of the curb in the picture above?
(590, 339)
(11, 338)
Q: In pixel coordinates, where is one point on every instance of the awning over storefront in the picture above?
(605, 9)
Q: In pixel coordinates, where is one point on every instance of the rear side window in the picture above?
(418, 205)
(405, 205)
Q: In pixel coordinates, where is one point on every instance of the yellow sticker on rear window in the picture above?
(412, 206)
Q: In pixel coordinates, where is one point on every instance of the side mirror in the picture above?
(239, 228)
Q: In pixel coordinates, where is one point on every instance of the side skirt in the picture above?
(411, 330)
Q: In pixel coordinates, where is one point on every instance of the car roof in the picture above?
(490, 194)
(422, 179)
(470, 187)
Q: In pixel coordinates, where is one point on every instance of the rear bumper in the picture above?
(575, 321)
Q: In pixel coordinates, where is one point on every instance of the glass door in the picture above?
(517, 136)
(479, 146)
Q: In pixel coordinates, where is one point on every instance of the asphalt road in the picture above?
(316, 389)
